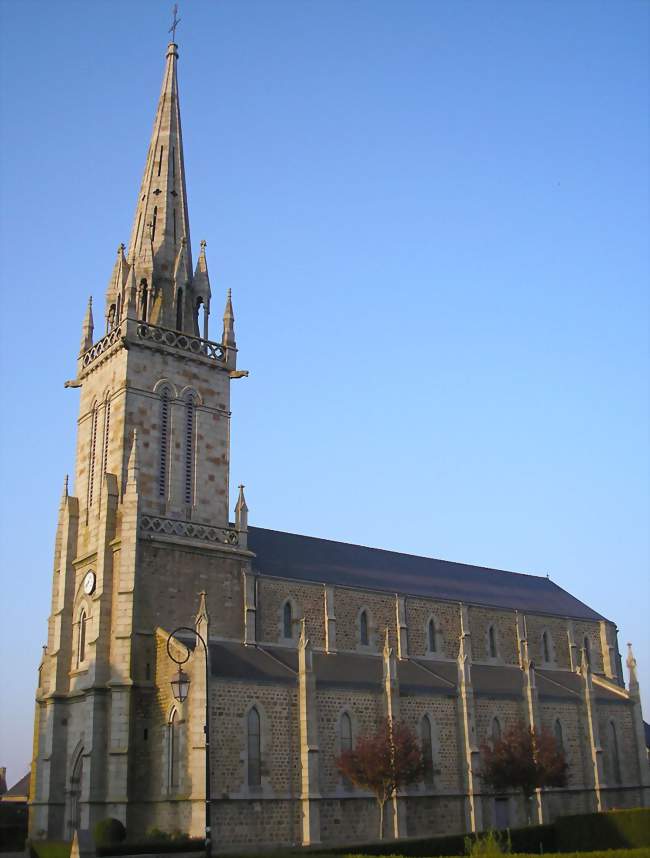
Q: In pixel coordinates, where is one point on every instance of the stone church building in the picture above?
(311, 642)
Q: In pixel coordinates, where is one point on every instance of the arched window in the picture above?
(81, 648)
(426, 737)
(495, 731)
(287, 621)
(345, 737)
(254, 748)
(188, 483)
(179, 310)
(587, 647)
(346, 733)
(173, 750)
(613, 753)
(431, 635)
(92, 447)
(546, 648)
(559, 735)
(492, 642)
(363, 628)
(163, 463)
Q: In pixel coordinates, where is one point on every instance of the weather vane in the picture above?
(175, 23)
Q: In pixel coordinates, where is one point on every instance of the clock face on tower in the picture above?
(89, 583)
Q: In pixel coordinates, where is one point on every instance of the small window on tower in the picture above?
(81, 649)
(287, 621)
(364, 638)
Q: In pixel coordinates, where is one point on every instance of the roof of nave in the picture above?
(278, 665)
(307, 558)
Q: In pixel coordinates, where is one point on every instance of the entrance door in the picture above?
(501, 813)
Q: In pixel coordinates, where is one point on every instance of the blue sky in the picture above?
(434, 220)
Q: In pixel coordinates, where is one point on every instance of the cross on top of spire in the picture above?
(175, 22)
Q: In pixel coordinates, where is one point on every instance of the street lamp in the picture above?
(180, 684)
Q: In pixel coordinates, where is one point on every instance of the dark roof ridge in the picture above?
(408, 554)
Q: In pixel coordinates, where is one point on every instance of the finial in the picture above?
(175, 22)
(241, 511)
(65, 486)
(204, 244)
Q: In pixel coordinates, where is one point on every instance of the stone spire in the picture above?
(241, 511)
(228, 336)
(633, 685)
(88, 327)
(161, 219)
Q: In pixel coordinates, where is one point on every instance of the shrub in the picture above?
(48, 848)
(108, 832)
(487, 845)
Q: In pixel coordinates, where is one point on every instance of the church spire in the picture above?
(161, 219)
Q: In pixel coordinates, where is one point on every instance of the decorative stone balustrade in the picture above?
(155, 336)
(188, 529)
(177, 340)
(103, 345)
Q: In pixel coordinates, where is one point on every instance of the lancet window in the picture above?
(254, 748)
(426, 737)
(364, 637)
(81, 646)
(287, 620)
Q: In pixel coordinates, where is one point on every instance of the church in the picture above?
(310, 643)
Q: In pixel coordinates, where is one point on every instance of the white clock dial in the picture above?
(89, 583)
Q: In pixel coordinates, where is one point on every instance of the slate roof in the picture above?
(278, 664)
(307, 558)
(19, 791)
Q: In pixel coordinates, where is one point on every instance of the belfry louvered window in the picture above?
(92, 448)
(163, 464)
(188, 482)
(107, 435)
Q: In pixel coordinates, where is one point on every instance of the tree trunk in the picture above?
(381, 820)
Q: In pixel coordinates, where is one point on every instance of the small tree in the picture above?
(525, 759)
(384, 761)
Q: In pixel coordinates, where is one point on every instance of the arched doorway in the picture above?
(74, 795)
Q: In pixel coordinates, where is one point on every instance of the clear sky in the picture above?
(434, 220)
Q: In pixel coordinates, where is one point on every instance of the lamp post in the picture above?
(180, 689)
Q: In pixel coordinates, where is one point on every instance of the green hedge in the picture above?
(610, 830)
(538, 838)
(151, 846)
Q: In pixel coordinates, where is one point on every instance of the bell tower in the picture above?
(145, 526)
